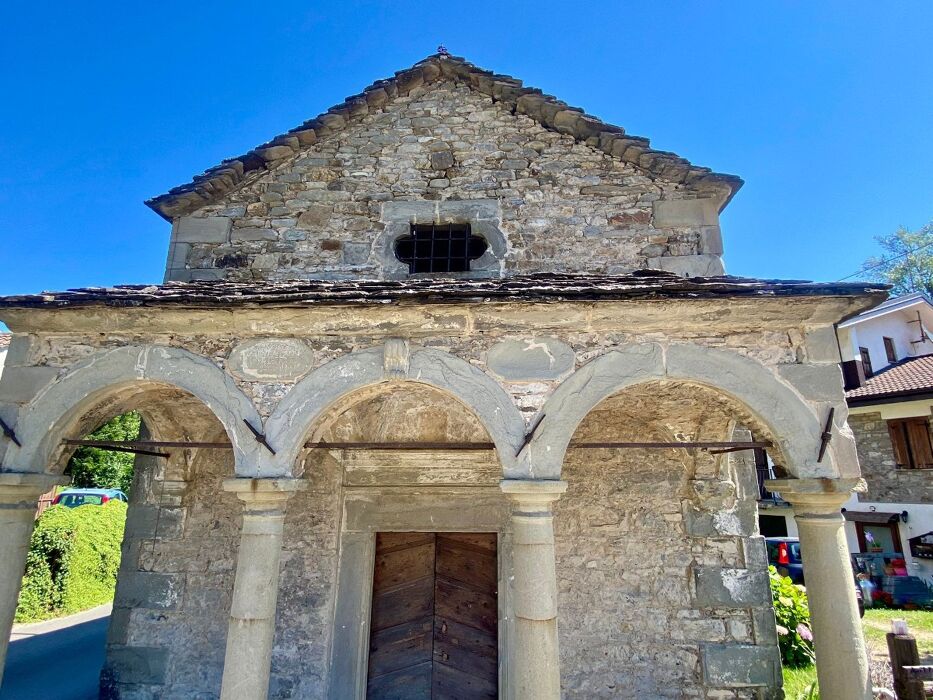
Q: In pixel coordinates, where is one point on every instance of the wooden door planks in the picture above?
(434, 629)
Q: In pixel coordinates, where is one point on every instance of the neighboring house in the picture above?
(887, 355)
(887, 368)
(438, 378)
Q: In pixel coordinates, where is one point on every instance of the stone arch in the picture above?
(312, 397)
(41, 424)
(793, 424)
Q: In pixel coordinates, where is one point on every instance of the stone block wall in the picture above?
(307, 588)
(560, 205)
(662, 575)
(879, 468)
(647, 609)
(167, 632)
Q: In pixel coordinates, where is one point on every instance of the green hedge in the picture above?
(73, 560)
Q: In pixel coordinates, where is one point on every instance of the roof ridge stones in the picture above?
(550, 112)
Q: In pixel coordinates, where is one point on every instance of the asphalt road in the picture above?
(57, 660)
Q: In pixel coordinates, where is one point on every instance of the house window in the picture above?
(439, 248)
(910, 438)
(866, 362)
(878, 537)
(889, 349)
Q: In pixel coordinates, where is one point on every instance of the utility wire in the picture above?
(885, 262)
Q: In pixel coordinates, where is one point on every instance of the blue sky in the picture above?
(823, 108)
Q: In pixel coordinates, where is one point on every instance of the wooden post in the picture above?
(902, 648)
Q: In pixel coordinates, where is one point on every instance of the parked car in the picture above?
(72, 498)
(784, 555)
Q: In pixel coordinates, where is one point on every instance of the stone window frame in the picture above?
(368, 510)
(443, 240)
(482, 215)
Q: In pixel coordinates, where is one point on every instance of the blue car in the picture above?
(72, 498)
(784, 555)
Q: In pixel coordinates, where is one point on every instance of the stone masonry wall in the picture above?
(476, 335)
(662, 578)
(879, 468)
(307, 586)
(169, 627)
(562, 205)
(167, 632)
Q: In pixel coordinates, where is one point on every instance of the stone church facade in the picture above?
(414, 375)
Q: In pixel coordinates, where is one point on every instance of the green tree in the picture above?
(91, 467)
(907, 261)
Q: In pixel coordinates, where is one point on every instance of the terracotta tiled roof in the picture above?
(548, 111)
(5, 340)
(642, 284)
(911, 376)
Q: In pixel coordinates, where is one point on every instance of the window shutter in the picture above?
(919, 431)
(896, 431)
(890, 350)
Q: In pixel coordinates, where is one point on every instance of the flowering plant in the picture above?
(792, 615)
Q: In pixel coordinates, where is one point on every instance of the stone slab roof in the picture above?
(902, 379)
(642, 284)
(547, 110)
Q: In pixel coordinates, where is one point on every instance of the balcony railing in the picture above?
(765, 471)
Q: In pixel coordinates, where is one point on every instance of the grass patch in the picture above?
(877, 623)
(797, 682)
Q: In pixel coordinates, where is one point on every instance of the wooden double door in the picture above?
(434, 623)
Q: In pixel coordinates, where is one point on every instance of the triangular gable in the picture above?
(551, 113)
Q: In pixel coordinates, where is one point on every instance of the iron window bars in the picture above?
(439, 248)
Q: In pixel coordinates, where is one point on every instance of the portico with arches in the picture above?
(529, 482)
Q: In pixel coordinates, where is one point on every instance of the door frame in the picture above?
(368, 510)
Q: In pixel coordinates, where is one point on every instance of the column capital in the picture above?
(533, 492)
(24, 488)
(264, 494)
(816, 496)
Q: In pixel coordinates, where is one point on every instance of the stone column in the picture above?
(535, 661)
(841, 662)
(255, 589)
(19, 494)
